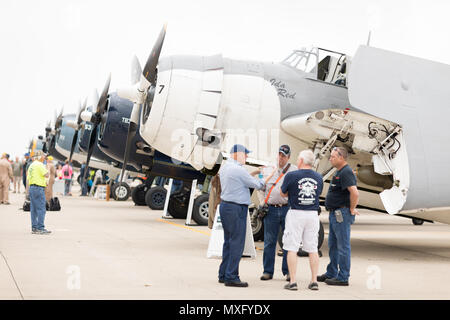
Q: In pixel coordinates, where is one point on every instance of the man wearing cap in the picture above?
(276, 215)
(36, 175)
(235, 182)
(6, 177)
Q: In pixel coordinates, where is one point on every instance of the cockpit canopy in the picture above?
(322, 64)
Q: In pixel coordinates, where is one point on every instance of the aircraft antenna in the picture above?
(368, 38)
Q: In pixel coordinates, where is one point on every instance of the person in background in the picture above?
(83, 180)
(6, 177)
(67, 173)
(51, 179)
(36, 175)
(26, 161)
(17, 168)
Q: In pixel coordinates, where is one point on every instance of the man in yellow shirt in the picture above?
(37, 172)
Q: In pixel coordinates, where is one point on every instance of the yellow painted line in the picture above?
(192, 229)
(185, 227)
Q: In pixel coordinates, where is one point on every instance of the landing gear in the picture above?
(121, 192)
(155, 198)
(200, 213)
(257, 225)
(138, 194)
(417, 221)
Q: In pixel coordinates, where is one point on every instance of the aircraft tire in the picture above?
(138, 195)
(257, 226)
(177, 208)
(155, 198)
(200, 212)
(121, 193)
(417, 221)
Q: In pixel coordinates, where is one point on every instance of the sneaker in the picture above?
(236, 284)
(291, 286)
(44, 231)
(322, 278)
(313, 286)
(336, 282)
(266, 276)
(34, 231)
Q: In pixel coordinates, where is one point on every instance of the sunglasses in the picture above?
(337, 150)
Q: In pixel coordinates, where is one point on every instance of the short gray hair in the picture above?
(307, 156)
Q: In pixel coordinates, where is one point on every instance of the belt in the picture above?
(278, 205)
(238, 204)
(332, 209)
(35, 185)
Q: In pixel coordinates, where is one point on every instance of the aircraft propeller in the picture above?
(138, 94)
(96, 119)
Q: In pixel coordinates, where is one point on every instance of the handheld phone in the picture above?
(338, 214)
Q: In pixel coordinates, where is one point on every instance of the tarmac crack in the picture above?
(12, 275)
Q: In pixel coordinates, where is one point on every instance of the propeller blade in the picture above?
(90, 148)
(101, 105)
(74, 143)
(136, 71)
(131, 134)
(152, 61)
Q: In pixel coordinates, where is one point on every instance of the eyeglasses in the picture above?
(337, 150)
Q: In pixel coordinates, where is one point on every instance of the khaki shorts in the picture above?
(301, 227)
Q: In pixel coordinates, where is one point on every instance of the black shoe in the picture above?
(322, 278)
(236, 284)
(313, 286)
(266, 276)
(221, 281)
(335, 282)
(291, 286)
(34, 231)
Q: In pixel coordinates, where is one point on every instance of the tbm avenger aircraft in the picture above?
(106, 130)
(388, 110)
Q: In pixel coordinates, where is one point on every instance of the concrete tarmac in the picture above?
(114, 250)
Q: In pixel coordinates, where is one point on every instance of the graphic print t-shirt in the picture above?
(304, 187)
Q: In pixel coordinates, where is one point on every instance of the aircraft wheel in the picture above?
(138, 195)
(417, 221)
(177, 207)
(257, 225)
(200, 211)
(121, 192)
(155, 198)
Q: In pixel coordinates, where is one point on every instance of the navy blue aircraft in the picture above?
(110, 128)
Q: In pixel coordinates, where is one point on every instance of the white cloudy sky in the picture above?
(55, 52)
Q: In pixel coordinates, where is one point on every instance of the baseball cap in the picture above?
(285, 149)
(239, 148)
(50, 158)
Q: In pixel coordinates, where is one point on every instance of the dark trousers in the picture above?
(234, 223)
(273, 222)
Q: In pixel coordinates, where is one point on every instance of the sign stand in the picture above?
(191, 204)
(216, 240)
(166, 215)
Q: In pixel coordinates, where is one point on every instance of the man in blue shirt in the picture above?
(235, 182)
(303, 187)
(341, 201)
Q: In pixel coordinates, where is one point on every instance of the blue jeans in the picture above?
(339, 246)
(234, 223)
(274, 219)
(37, 207)
(67, 183)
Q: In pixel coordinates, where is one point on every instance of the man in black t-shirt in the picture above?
(341, 201)
(303, 187)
